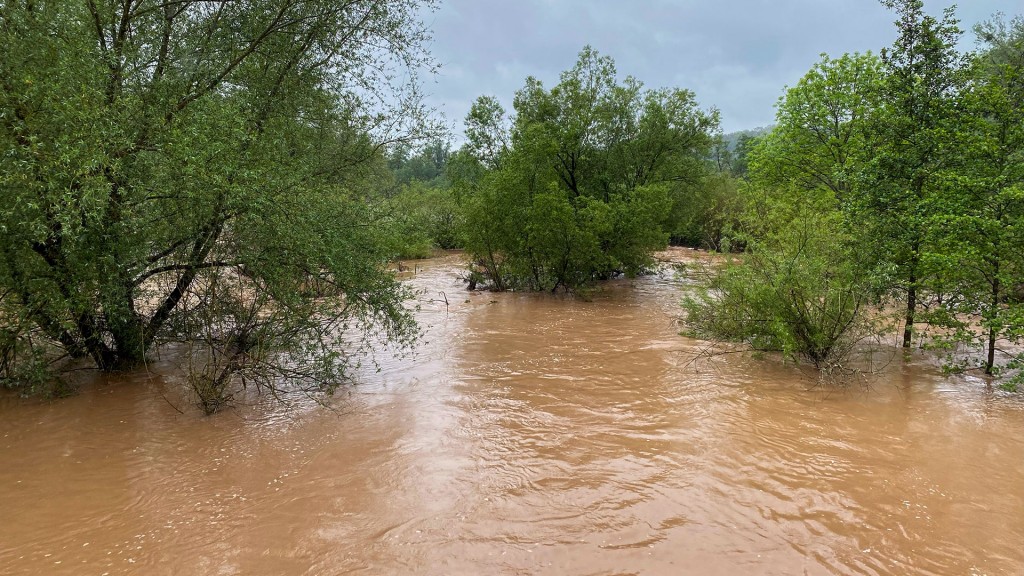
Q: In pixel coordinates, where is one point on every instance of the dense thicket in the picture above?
(913, 162)
(425, 214)
(197, 171)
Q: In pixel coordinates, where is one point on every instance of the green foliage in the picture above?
(25, 354)
(578, 189)
(427, 166)
(426, 218)
(915, 144)
(487, 131)
(797, 289)
(425, 212)
(151, 151)
(900, 177)
(745, 144)
(821, 138)
(976, 234)
(706, 215)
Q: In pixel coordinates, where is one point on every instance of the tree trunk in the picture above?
(908, 326)
(911, 305)
(990, 361)
(92, 339)
(124, 323)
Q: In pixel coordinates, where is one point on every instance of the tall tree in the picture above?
(822, 133)
(487, 131)
(924, 76)
(982, 237)
(153, 151)
(591, 170)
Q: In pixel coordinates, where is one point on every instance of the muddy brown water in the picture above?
(529, 435)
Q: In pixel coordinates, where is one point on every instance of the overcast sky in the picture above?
(737, 55)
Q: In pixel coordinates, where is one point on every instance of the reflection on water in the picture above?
(531, 434)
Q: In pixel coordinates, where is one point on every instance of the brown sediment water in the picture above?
(530, 434)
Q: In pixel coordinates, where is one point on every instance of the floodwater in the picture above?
(531, 434)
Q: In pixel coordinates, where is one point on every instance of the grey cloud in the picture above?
(737, 55)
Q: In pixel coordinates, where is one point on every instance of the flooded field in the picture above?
(529, 434)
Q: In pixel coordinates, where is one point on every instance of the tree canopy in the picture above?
(908, 169)
(577, 183)
(190, 170)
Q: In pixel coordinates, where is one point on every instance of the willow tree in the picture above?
(591, 169)
(188, 170)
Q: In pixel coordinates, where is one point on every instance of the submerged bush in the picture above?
(797, 290)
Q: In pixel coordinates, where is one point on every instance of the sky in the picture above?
(736, 55)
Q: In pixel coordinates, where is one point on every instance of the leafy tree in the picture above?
(822, 134)
(591, 169)
(924, 76)
(800, 287)
(425, 217)
(166, 165)
(428, 165)
(487, 131)
(980, 240)
(706, 215)
(745, 144)
(721, 155)
(898, 175)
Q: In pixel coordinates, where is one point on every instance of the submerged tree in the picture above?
(805, 284)
(914, 135)
(980, 239)
(590, 172)
(897, 177)
(154, 151)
